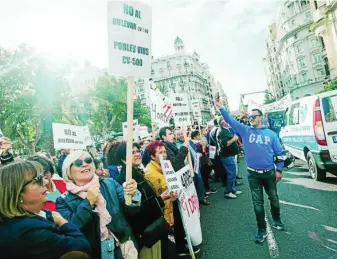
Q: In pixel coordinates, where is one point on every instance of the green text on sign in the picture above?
(128, 9)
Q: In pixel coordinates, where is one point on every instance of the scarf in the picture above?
(172, 147)
(103, 213)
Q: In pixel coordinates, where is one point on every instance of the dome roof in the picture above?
(178, 41)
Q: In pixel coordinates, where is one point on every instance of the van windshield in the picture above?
(330, 108)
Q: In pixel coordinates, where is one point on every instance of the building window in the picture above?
(320, 72)
(314, 43)
(308, 15)
(302, 62)
(298, 49)
(317, 58)
(316, 5)
(304, 76)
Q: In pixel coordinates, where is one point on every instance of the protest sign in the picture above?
(87, 137)
(135, 130)
(181, 111)
(212, 151)
(161, 111)
(173, 179)
(68, 136)
(196, 111)
(129, 50)
(187, 201)
(129, 38)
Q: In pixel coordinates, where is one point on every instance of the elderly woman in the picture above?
(26, 231)
(56, 186)
(151, 214)
(97, 207)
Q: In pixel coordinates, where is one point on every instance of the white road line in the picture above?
(272, 245)
(332, 241)
(299, 205)
(332, 229)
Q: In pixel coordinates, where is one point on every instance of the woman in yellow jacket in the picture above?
(154, 174)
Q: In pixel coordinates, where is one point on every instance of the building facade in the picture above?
(294, 59)
(325, 27)
(182, 72)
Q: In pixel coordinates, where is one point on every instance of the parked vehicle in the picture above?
(309, 132)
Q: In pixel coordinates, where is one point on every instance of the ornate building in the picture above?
(294, 60)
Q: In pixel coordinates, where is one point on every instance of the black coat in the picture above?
(176, 156)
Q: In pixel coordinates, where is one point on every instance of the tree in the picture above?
(268, 98)
(109, 107)
(332, 85)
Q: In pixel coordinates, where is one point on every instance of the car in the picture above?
(309, 132)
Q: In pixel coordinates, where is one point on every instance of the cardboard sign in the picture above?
(189, 206)
(181, 110)
(212, 152)
(161, 110)
(129, 38)
(68, 136)
(136, 133)
(172, 178)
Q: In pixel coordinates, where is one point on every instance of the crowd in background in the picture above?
(73, 206)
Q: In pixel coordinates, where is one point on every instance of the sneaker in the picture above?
(260, 236)
(278, 224)
(211, 191)
(237, 192)
(230, 195)
(186, 251)
(238, 183)
(204, 202)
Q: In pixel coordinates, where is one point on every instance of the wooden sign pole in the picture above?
(131, 86)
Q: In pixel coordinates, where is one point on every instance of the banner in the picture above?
(135, 130)
(181, 110)
(68, 136)
(187, 201)
(161, 111)
(280, 105)
(129, 38)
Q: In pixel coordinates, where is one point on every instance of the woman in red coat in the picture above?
(56, 186)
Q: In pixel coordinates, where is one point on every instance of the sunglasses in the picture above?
(38, 179)
(79, 162)
(253, 116)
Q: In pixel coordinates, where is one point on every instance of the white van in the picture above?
(309, 132)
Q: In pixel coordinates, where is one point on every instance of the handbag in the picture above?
(155, 232)
(126, 250)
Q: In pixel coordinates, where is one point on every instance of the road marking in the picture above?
(299, 205)
(332, 241)
(272, 245)
(332, 229)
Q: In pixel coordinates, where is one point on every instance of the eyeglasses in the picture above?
(38, 179)
(79, 162)
(136, 152)
(252, 117)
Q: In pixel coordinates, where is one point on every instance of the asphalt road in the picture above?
(308, 208)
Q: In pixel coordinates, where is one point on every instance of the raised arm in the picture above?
(237, 126)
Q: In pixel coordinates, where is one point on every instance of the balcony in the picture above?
(319, 13)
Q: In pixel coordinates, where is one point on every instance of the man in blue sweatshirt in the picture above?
(261, 147)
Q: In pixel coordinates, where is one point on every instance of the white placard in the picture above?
(212, 152)
(196, 111)
(87, 137)
(189, 206)
(68, 136)
(129, 38)
(172, 178)
(181, 110)
(161, 110)
(143, 131)
(135, 130)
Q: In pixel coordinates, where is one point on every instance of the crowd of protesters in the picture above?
(74, 206)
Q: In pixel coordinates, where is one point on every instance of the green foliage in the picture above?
(33, 96)
(268, 98)
(332, 85)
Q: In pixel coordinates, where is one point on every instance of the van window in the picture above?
(294, 114)
(330, 108)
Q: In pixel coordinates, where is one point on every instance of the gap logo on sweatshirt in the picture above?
(259, 139)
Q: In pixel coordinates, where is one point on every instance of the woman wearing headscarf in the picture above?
(151, 214)
(27, 231)
(97, 206)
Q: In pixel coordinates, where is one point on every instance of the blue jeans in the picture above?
(230, 165)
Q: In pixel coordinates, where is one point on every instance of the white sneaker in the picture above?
(230, 195)
(238, 192)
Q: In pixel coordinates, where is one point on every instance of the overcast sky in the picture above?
(229, 35)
